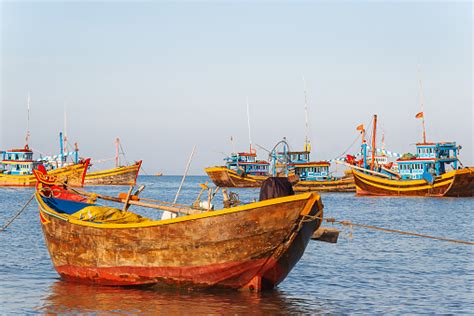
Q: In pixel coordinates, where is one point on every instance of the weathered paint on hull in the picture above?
(126, 175)
(345, 184)
(226, 178)
(73, 175)
(457, 183)
(249, 247)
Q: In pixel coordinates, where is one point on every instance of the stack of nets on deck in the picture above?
(108, 215)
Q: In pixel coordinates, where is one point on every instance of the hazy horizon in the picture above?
(164, 76)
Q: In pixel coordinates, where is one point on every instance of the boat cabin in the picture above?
(247, 163)
(298, 156)
(431, 159)
(312, 171)
(18, 161)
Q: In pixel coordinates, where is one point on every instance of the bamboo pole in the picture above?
(172, 209)
(184, 175)
(364, 170)
(127, 199)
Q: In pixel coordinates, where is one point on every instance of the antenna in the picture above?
(307, 145)
(422, 106)
(65, 130)
(374, 132)
(248, 122)
(233, 145)
(27, 138)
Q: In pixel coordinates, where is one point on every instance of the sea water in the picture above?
(367, 271)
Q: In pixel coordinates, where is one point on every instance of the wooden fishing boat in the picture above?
(251, 246)
(228, 178)
(242, 170)
(323, 183)
(423, 174)
(18, 166)
(455, 183)
(315, 176)
(122, 175)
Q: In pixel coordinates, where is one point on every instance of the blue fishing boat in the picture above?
(315, 175)
(241, 170)
(435, 170)
(17, 167)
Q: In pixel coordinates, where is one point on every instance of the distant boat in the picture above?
(249, 247)
(422, 174)
(17, 167)
(158, 174)
(120, 175)
(241, 170)
(315, 176)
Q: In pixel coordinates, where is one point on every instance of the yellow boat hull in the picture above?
(126, 175)
(73, 175)
(345, 184)
(456, 183)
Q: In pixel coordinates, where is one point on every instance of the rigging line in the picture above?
(102, 160)
(371, 130)
(146, 173)
(123, 154)
(345, 151)
(17, 214)
(388, 230)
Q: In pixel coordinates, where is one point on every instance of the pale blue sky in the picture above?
(164, 76)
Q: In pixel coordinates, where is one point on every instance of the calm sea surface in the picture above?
(367, 271)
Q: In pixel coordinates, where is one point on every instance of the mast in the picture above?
(363, 146)
(232, 143)
(373, 142)
(61, 148)
(307, 145)
(65, 131)
(248, 123)
(117, 158)
(27, 138)
(383, 141)
(422, 110)
(76, 153)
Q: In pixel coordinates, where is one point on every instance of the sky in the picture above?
(165, 76)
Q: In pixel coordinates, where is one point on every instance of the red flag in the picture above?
(360, 127)
(419, 115)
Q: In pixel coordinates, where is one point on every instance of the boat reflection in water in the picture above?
(75, 298)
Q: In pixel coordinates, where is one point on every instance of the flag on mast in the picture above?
(419, 115)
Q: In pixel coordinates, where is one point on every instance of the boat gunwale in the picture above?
(249, 177)
(113, 171)
(448, 176)
(310, 197)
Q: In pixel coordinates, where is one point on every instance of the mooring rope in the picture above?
(348, 223)
(17, 214)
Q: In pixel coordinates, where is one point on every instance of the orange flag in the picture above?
(360, 127)
(419, 115)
